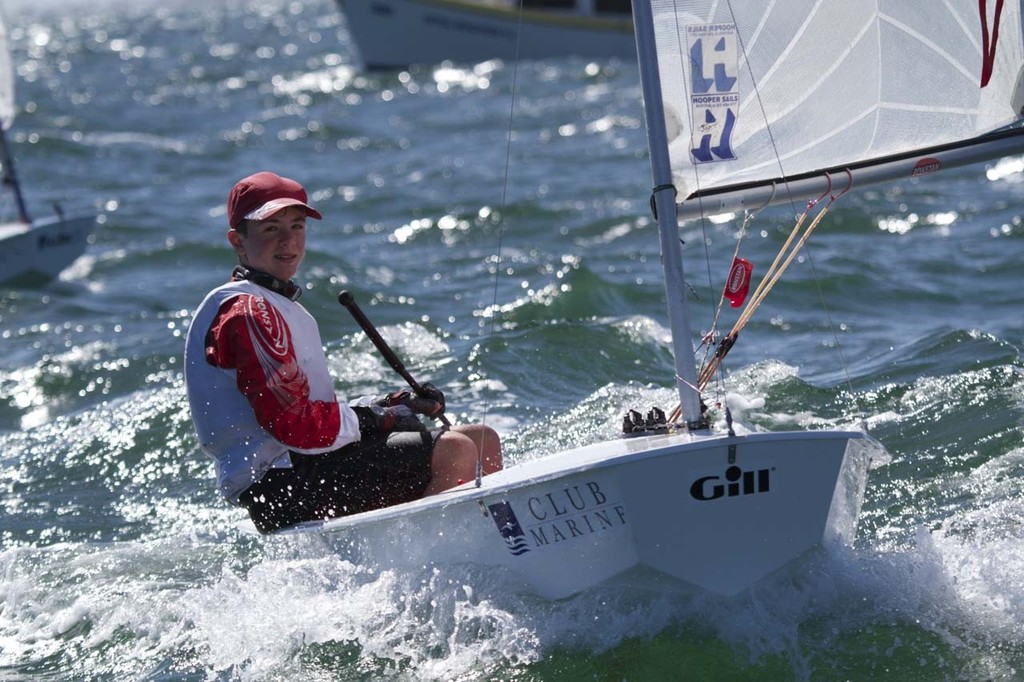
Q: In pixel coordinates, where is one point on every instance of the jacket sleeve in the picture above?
(258, 346)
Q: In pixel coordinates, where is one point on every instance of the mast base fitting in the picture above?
(654, 422)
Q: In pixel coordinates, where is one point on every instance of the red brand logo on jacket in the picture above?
(270, 340)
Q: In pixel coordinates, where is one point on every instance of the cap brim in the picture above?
(271, 207)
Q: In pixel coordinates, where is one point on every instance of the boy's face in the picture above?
(276, 245)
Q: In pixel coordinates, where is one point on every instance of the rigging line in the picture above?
(775, 271)
(501, 221)
(761, 106)
(715, 311)
(681, 51)
(771, 138)
(709, 339)
(770, 279)
(824, 305)
(747, 219)
(762, 289)
(755, 301)
(710, 369)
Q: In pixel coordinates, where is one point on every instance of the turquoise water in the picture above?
(534, 297)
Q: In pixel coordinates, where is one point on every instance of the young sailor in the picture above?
(262, 398)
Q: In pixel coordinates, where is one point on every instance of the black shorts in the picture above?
(356, 478)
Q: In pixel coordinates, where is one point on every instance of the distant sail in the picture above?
(762, 97)
(7, 109)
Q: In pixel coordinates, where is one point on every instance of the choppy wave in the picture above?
(531, 291)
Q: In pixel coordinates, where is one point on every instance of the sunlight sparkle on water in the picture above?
(477, 78)
(904, 224)
(1005, 168)
(333, 79)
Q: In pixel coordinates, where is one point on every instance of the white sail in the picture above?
(758, 92)
(7, 108)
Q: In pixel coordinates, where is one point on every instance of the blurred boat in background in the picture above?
(397, 33)
(29, 248)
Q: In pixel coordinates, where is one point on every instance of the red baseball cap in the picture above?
(263, 194)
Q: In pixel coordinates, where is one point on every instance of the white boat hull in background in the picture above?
(43, 248)
(397, 33)
(716, 512)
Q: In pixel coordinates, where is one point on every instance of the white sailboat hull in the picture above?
(715, 512)
(43, 248)
(397, 33)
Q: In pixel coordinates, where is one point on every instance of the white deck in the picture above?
(716, 512)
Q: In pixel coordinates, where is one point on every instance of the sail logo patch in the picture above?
(715, 96)
(925, 166)
(556, 516)
(734, 483)
(737, 284)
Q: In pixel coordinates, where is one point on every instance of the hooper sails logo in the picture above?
(715, 97)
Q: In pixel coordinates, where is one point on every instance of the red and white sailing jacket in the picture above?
(258, 385)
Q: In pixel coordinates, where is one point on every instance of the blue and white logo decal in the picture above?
(508, 526)
(715, 96)
(559, 514)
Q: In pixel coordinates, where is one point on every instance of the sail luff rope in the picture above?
(986, 68)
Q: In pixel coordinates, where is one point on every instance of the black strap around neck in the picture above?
(289, 289)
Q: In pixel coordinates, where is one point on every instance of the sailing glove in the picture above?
(376, 421)
(430, 402)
